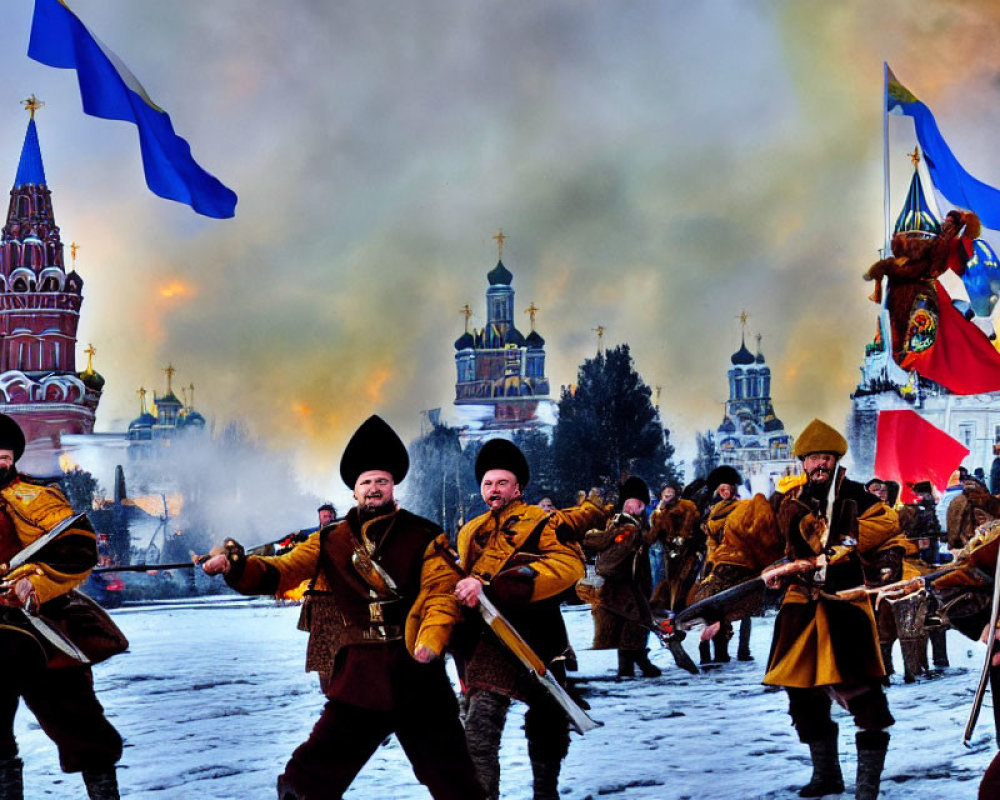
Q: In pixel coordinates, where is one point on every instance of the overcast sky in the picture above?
(658, 167)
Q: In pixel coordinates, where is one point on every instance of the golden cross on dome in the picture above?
(73, 249)
(599, 330)
(169, 369)
(191, 392)
(32, 104)
(759, 337)
(500, 239)
(531, 310)
(466, 312)
(915, 156)
(142, 399)
(91, 351)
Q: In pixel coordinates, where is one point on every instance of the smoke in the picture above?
(658, 169)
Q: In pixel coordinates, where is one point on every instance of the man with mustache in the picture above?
(824, 647)
(379, 612)
(523, 558)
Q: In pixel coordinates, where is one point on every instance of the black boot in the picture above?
(11, 780)
(545, 775)
(939, 647)
(626, 663)
(886, 649)
(649, 669)
(705, 652)
(721, 642)
(827, 777)
(743, 650)
(871, 759)
(102, 784)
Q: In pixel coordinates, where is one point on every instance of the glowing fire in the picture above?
(176, 288)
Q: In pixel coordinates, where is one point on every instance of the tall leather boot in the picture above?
(826, 777)
(11, 779)
(649, 669)
(721, 643)
(939, 647)
(872, 746)
(705, 652)
(886, 649)
(102, 784)
(743, 649)
(545, 775)
(626, 663)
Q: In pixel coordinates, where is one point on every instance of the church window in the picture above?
(966, 434)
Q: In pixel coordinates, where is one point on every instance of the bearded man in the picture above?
(379, 612)
(523, 558)
(59, 692)
(824, 647)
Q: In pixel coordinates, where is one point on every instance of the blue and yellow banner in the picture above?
(109, 90)
(949, 178)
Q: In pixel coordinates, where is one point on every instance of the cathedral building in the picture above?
(751, 438)
(39, 313)
(170, 418)
(501, 383)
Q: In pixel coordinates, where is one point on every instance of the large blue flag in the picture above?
(111, 91)
(949, 178)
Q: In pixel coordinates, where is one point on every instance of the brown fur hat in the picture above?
(818, 437)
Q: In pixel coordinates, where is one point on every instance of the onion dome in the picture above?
(499, 275)
(92, 380)
(194, 419)
(534, 340)
(144, 420)
(742, 356)
(514, 336)
(916, 216)
(465, 341)
(759, 358)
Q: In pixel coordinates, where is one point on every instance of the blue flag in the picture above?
(110, 90)
(949, 178)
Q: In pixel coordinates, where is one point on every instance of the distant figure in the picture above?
(547, 504)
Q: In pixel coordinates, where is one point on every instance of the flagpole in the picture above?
(885, 156)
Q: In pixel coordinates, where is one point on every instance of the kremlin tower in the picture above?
(39, 313)
(501, 383)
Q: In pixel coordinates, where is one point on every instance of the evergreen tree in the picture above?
(538, 451)
(441, 483)
(608, 429)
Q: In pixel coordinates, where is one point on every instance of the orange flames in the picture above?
(176, 288)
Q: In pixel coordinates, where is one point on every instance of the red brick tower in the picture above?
(39, 313)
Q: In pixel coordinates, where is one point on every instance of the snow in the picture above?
(212, 698)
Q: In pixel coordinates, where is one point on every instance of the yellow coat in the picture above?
(35, 510)
(431, 617)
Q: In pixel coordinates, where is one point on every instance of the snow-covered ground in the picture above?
(212, 698)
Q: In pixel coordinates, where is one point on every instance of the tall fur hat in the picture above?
(721, 475)
(818, 437)
(634, 487)
(502, 454)
(11, 436)
(374, 446)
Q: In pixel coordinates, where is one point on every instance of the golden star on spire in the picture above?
(915, 156)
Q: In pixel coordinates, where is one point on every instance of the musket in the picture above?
(149, 567)
(895, 589)
(991, 638)
(521, 650)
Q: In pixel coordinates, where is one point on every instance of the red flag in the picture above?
(962, 358)
(909, 449)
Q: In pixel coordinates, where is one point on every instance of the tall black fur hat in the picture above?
(634, 487)
(11, 436)
(374, 446)
(502, 454)
(721, 475)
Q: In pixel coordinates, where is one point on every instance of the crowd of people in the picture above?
(849, 568)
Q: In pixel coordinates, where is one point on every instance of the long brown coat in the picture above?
(820, 641)
(676, 528)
